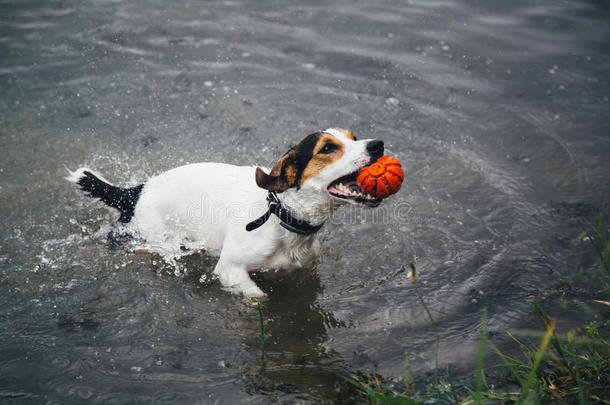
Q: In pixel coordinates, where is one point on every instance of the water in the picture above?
(498, 111)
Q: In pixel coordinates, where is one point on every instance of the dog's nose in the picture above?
(375, 149)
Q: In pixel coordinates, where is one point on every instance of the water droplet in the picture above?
(392, 101)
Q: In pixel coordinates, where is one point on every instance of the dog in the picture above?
(218, 206)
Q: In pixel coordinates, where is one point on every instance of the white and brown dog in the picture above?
(302, 190)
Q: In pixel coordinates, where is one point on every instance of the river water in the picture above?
(498, 110)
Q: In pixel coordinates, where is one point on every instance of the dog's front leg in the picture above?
(235, 277)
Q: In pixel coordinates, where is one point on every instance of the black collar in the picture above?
(286, 219)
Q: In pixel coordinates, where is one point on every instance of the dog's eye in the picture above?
(328, 148)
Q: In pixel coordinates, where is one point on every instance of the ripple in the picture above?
(61, 362)
(81, 392)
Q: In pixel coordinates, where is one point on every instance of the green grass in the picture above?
(570, 368)
(413, 276)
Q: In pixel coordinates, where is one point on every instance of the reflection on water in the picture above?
(295, 358)
(498, 111)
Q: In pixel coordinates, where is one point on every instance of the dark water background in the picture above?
(498, 110)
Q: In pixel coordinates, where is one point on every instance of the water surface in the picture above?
(498, 111)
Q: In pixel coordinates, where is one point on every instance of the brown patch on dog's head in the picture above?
(282, 176)
(303, 161)
(347, 133)
(325, 151)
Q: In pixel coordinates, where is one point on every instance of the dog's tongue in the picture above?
(345, 188)
(349, 189)
(353, 186)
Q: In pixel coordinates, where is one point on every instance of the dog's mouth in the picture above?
(347, 188)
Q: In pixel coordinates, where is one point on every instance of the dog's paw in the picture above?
(253, 297)
(254, 293)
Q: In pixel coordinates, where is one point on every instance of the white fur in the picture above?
(76, 175)
(209, 205)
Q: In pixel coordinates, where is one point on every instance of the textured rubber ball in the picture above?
(382, 178)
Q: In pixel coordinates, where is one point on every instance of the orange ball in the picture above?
(382, 178)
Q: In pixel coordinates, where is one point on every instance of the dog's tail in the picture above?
(94, 185)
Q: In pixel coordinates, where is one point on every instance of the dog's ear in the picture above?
(282, 176)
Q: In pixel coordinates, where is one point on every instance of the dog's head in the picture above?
(326, 162)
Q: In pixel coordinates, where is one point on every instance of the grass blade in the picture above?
(529, 380)
(421, 300)
(478, 394)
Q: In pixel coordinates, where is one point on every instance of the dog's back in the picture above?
(195, 202)
(199, 202)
